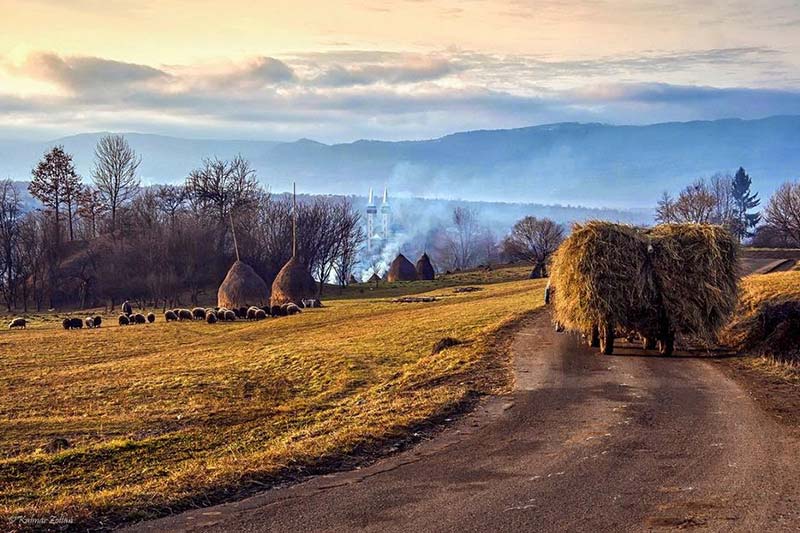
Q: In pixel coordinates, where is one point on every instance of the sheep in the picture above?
(127, 309)
(185, 314)
(261, 314)
(199, 313)
(75, 323)
(89, 322)
(221, 313)
(211, 318)
(124, 320)
(277, 310)
(151, 317)
(291, 309)
(251, 313)
(169, 316)
(139, 318)
(242, 312)
(65, 323)
(18, 323)
(230, 316)
(97, 321)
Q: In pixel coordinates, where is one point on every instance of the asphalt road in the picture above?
(628, 442)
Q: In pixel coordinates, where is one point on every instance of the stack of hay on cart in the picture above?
(674, 278)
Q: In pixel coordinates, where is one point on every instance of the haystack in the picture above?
(401, 269)
(293, 284)
(601, 275)
(696, 271)
(425, 268)
(679, 278)
(242, 287)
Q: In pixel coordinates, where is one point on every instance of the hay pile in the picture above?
(401, 269)
(425, 268)
(242, 287)
(696, 270)
(767, 320)
(293, 284)
(679, 278)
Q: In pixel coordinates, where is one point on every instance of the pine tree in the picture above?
(744, 221)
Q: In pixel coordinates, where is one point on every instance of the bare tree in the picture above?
(91, 209)
(32, 258)
(721, 187)
(115, 173)
(220, 186)
(665, 209)
(350, 237)
(696, 203)
(10, 212)
(783, 211)
(171, 200)
(534, 240)
(462, 237)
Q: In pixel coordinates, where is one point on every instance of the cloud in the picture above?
(79, 74)
(412, 70)
(349, 94)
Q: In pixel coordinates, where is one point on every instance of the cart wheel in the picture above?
(594, 337)
(607, 340)
(648, 343)
(666, 345)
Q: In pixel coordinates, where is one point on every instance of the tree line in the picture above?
(112, 239)
(729, 201)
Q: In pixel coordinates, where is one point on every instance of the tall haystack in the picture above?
(401, 270)
(242, 287)
(425, 268)
(293, 284)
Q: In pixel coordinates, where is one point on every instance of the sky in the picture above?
(342, 70)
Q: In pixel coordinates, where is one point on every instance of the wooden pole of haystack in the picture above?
(233, 232)
(294, 219)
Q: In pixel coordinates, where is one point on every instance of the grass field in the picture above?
(167, 416)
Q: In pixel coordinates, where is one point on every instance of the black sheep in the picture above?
(151, 317)
(124, 320)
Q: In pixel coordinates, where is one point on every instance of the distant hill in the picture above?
(577, 164)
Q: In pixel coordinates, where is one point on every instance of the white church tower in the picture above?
(372, 210)
(385, 212)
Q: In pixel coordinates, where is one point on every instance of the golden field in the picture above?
(172, 415)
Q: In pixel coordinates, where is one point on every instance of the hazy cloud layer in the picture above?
(345, 95)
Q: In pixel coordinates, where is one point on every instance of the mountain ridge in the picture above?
(591, 164)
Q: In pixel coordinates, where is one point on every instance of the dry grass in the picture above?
(767, 321)
(386, 289)
(172, 415)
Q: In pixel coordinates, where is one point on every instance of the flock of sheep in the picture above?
(211, 315)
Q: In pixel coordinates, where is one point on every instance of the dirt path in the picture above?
(585, 443)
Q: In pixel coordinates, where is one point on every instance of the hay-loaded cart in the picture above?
(613, 279)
